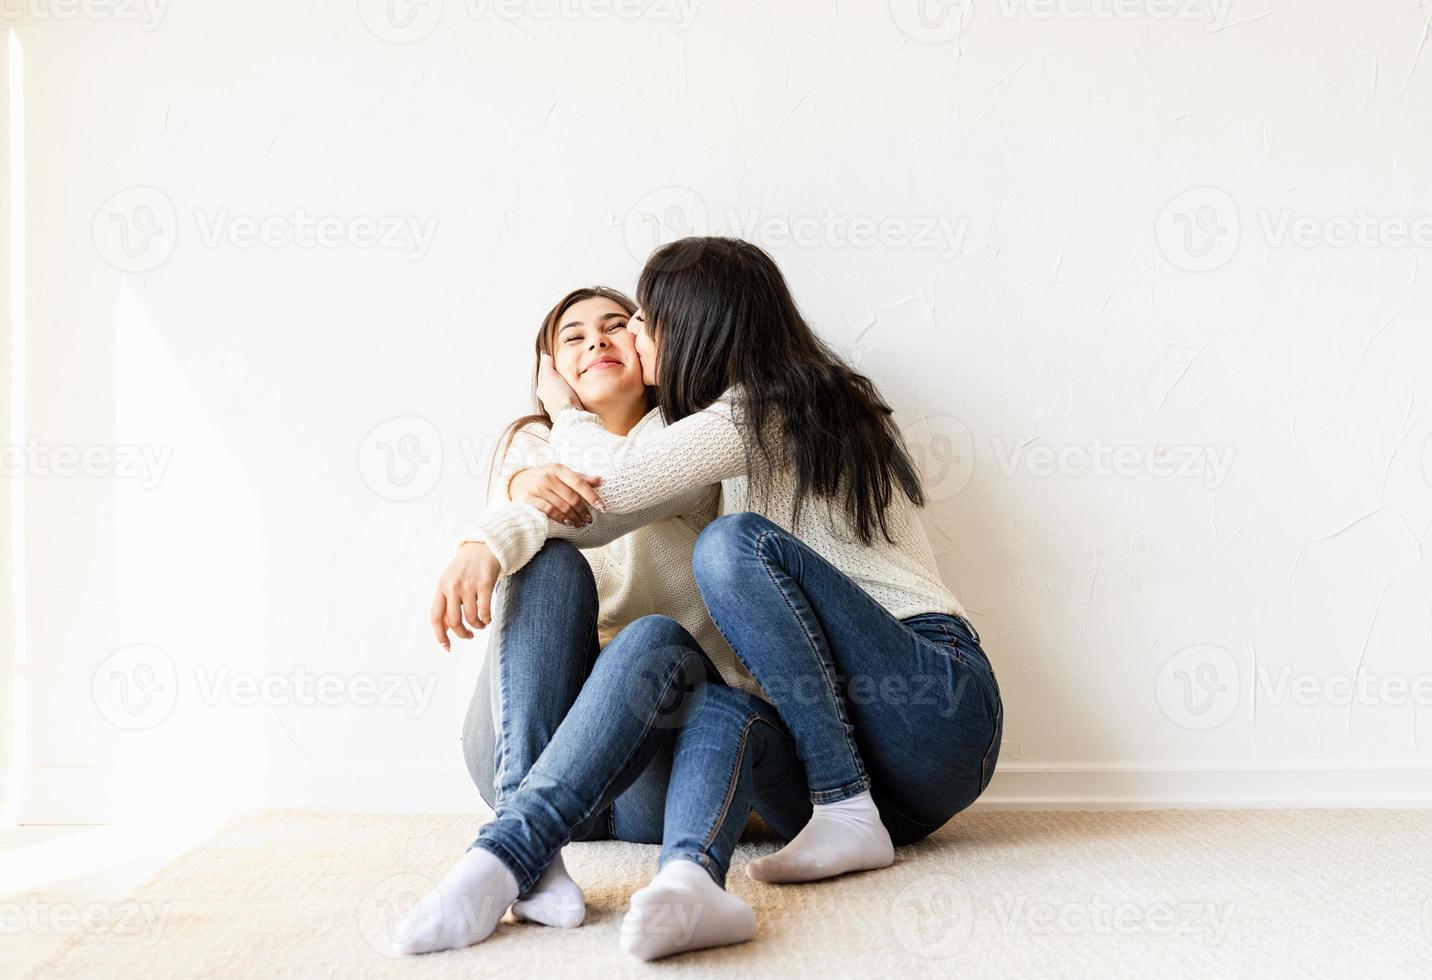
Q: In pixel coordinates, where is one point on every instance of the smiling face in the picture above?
(595, 353)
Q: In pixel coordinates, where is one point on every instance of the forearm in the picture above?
(651, 469)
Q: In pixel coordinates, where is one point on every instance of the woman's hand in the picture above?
(465, 592)
(552, 389)
(557, 491)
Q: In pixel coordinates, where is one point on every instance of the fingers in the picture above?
(484, 602)
(436, 615)
(469, 610)
(557, 507)
(584, 486)
(453, 619)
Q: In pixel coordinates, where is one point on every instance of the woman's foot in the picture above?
(463, 909)
(841, 837)
(556, 900)
(683, 909)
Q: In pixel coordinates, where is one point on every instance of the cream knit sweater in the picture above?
(651, 471)
(642, 572)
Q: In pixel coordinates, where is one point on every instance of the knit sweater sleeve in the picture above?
(647, 471)
(516, 531)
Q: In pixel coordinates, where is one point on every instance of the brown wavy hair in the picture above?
(546, 336)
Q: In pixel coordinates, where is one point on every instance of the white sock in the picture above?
(841, 837)
(463, 909)
(683, 909)
(556, 900)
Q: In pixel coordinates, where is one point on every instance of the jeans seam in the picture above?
(825, 669)
(731, 779)
(502, 712)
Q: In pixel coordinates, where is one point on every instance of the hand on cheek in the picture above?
(552, 389)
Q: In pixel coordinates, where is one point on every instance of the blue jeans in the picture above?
(908, 709)
(641, 741)
(542, 653)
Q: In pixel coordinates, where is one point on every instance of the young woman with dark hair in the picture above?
(819, 575)
(671, 737)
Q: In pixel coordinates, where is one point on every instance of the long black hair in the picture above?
(723, 316)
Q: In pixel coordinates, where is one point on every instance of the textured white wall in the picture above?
(1148, 279)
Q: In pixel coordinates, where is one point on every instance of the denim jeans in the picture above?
(642, 741)
(908, 709)
(542, 653)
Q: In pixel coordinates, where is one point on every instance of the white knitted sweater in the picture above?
(645, 571)
(651, 471)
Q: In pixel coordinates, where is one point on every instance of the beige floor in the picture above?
(995, 894)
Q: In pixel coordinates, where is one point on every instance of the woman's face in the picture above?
(595, 353)
(645, 346)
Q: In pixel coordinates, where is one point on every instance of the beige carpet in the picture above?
(995, 894)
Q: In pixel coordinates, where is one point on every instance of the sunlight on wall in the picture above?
(19, 713)
(188, 592)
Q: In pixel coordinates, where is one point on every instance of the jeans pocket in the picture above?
(991, 756)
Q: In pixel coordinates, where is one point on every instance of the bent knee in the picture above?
(725, 541)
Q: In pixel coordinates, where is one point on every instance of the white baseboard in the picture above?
(81, 794)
